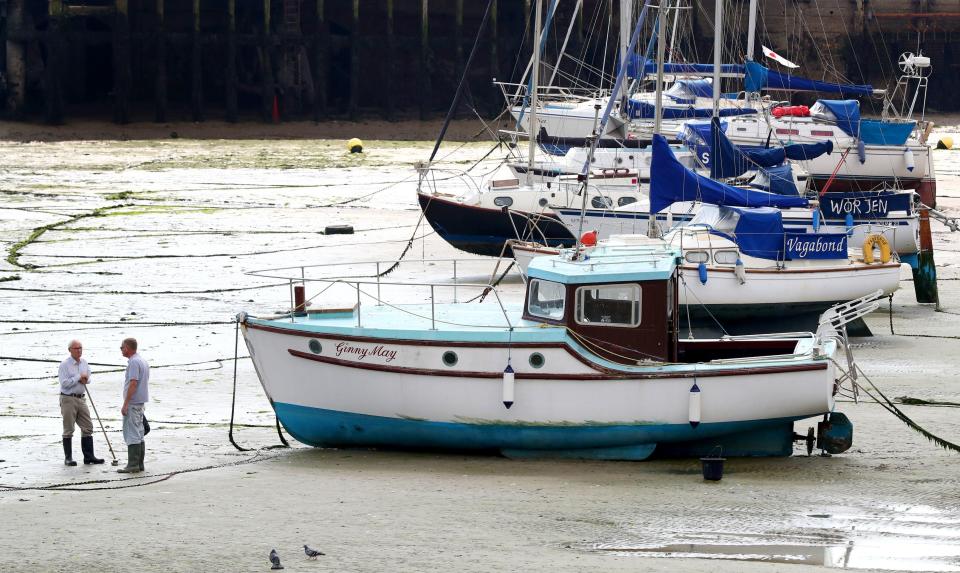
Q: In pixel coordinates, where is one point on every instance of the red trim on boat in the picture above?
(547, 376)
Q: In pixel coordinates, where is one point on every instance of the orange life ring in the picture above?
(876, 241)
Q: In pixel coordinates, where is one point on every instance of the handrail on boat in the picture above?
(297, 275)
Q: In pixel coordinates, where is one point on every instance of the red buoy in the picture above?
(589, 239)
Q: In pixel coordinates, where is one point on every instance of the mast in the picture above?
(534, 130)
(673, 34)
(661, 49)
(717, 60)
(626, 13)
(657, 106)
(751, 30)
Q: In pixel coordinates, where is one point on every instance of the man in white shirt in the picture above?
(74, 376)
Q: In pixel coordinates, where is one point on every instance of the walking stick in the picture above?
(114, 462)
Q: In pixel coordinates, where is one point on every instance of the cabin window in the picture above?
(546, 299)
(725, 257)
(696, 257)
(613, 305)
(449, 358)
(503, 201)
(626, 201)
(601, 203)
(542, 202)
(315, 346)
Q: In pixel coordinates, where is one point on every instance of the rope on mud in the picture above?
(891, 407)
(125, 292)
(13, 255)
(124, 322)
(72, 486)
(116, 367)
(169, 422)
(233, 398)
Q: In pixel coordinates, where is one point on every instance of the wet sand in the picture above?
(148, 237)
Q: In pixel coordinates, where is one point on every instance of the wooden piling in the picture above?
(196, 65)
(494, 53)
(925, 272)
(121, 62)
(16, 69)
(231, 80)
(458, 39)
(426, 96)
(391, 49)
(160, 81)
(267, 91)
(355, 61)
(321, 40)
(53, 94)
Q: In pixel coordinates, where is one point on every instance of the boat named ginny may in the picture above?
(590, 365)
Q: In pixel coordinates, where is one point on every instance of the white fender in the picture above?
(740, 271)
(508, 384)
(695, 405)
(908, 159)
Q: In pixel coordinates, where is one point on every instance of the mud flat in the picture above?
(104, 239)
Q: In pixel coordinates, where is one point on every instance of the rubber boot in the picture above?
(86, 445)
(68, 452)
(143, 452)
(133, 460)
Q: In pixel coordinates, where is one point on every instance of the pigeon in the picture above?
(275, 559)
(312, 553)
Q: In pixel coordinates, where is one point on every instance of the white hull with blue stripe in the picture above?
(596, 370)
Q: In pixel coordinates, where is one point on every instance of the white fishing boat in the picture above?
(588, 365)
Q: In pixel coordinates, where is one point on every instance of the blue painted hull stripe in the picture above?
(331, 428)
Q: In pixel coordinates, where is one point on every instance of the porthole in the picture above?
(503, 201)
(696, 257)
(626, 200)
(542, 202)
(450, 358)
(315, 347)
(601, 203)
(537, 360)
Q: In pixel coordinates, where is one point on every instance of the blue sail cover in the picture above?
(758, 77)
(671, 182)
(781, 180)
(649, 67)
(699, 88)
(729, 160)
(847, 112)
(807, 151)
(644, 110)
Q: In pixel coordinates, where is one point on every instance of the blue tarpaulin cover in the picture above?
(699, 88)
(847, 112)
(671, 182)
(759, 233)
(758, 77)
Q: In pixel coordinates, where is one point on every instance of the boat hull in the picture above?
(485, 231)
(401, 394)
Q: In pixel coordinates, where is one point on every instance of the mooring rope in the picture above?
(73, 486)
(891, 407)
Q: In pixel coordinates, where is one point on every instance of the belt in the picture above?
(73, 395)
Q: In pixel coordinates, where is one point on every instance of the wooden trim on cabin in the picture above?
(547, 376)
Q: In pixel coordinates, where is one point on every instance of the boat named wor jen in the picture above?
(590, 365)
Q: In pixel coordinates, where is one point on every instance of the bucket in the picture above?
(712, 465)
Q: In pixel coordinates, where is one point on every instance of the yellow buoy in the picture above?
(946, 142)
(355, 145)
(878, 241)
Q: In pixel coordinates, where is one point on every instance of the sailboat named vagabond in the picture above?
(590, 365)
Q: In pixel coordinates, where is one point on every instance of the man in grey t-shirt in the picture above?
(135, 396)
